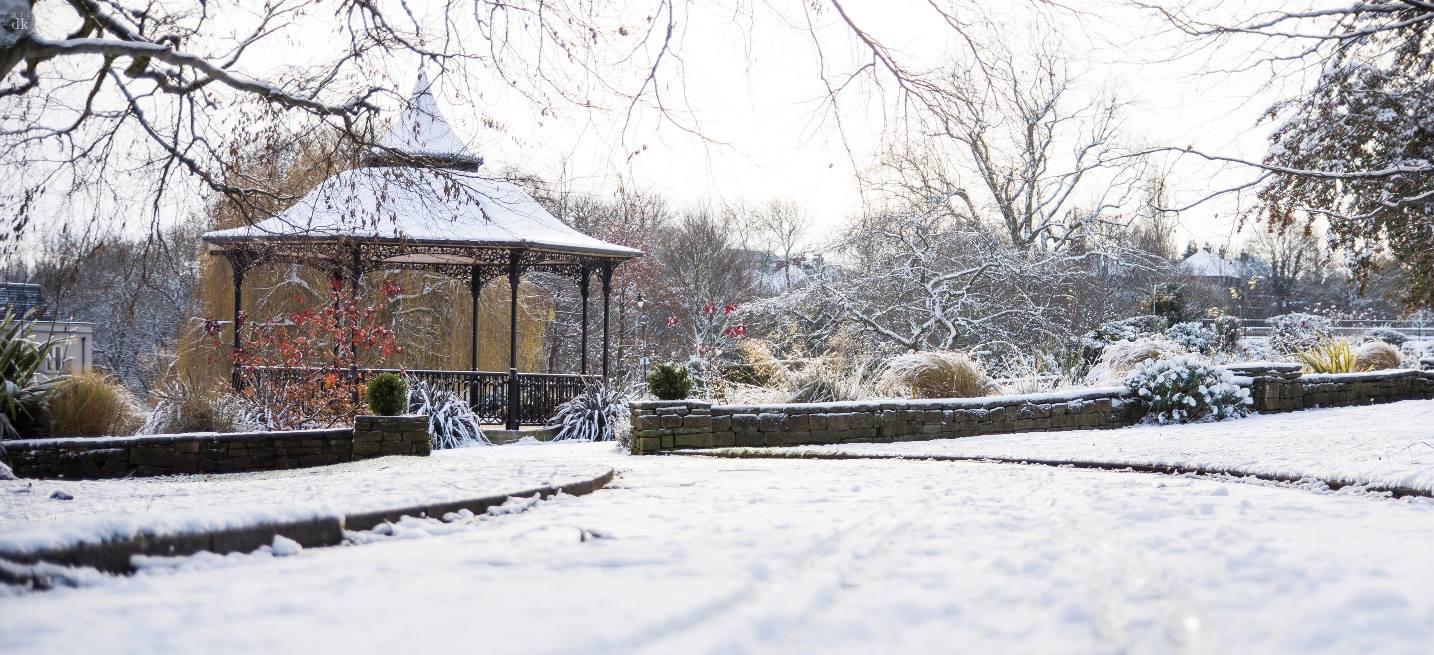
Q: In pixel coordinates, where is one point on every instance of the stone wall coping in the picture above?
(654, 404)
(891, 404)
(1388, 374)
(70, 443)
(1263, 366)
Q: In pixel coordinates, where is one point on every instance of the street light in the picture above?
(642, 333)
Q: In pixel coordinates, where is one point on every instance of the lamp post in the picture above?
(642, 333)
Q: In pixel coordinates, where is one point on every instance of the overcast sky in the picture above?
(752, 86)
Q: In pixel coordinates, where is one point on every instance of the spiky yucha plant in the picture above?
(597, 414)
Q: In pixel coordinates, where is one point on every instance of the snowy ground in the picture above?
(689, 554)
(29, 516)
(1389, 445)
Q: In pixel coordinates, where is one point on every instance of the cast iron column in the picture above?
(475, 289)
(513, 257)
(606, 296)
(238, 269)
(583, 289)
(353, 323)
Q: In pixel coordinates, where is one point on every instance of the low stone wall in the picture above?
(1275, 387)
(677, 424)
(211, 452)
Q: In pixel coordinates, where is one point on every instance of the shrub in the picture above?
(1292, 333)
(181, 407)
(92, 405)
(936, 374)
(1376, 356)
(1182, 390)
(1122, 358)
(1388, 335)
(1193, 336)
(23, 389)
(386, 394)
(669, 381)
(596, 414)
(452, 423)
(1169, 303)
(1331, 356)
(1227, 333)
(758, 367)
(1129, 329)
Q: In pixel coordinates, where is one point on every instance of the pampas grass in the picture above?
(936, 374)
(91, 405)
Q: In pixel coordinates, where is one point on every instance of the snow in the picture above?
(1388, 445)
(416, 204)
(692, 554)
(30, 518)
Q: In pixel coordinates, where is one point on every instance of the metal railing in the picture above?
(1352, 327)
(539, 394)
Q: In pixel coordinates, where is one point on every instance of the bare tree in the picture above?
(1292, 256)
(110, 103)
(1014, 150)
(782, 226)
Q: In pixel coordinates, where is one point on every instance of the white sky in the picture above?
(753, 86)
(750, 83)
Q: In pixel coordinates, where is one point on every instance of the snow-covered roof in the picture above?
(1207, 263)
(445, 201)
(421, 133)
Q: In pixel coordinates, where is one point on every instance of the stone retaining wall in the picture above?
(210, 452)
(1275, 387)
(676, 424)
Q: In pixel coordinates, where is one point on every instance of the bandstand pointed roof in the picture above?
(419, 199)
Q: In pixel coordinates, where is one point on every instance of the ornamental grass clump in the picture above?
(1376, 356)
(1185, 390)
(91, 405)
(1122, 358)
(386, 394)
(452, 423)
(181, 406)
(599, 413)
(669, 381)
(936, 374)
(1329, 356)
(1388, 335)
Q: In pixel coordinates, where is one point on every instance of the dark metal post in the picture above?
(583, 289)
(353, 324)
(513, 273)
(606, 296)
(475, 290)
(238, 269)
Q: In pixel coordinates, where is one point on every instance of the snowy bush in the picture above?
(1120, 359)
(1376, 356)
(1388, 335)
(386, 394)
(1193, 336)
(1183, 389)
(599, 413)
(936, 374)
(1227, 333)
(451, 421)
(1129, 329)
(1292, 333)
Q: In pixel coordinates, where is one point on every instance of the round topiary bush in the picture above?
(1184, 390)
(669, 381)
(386, 394)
